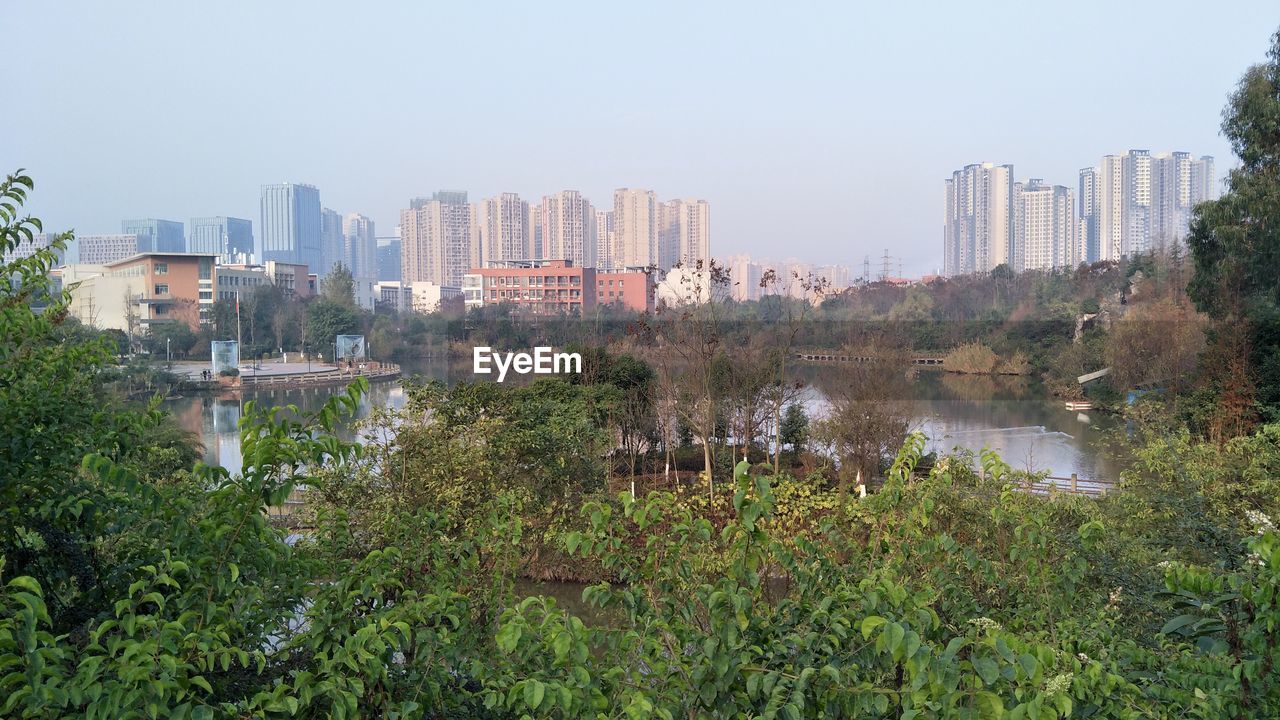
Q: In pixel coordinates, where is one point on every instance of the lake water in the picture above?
(1013, 416)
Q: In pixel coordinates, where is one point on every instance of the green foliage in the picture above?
(338, 287)
(457, 450)
(326, 320)
(1235, 241)
(53, 412)
(973, 358)
(174, 339)
(135, 582)
(795, 428)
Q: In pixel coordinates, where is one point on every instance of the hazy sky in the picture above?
(817, 130)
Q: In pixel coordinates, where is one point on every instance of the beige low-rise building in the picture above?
(428, 297)
(143, 290)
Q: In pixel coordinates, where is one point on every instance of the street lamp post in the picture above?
(168, 355)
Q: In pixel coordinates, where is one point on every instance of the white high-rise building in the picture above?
(686, 233)
(436, 240)
(1179, 182)
(26, 248)
(978, 222)
(1137, 202)
(1204, 181)
(332, 243)
(103, 249)
(1088, 214)
(837, 277)
(744, 277)
(1111, 205)
(1170, 198)
(1136, 170)
(1045, 233)
(360, 246)
(503, 224)
(604, 239)
(568, 224)
(635, 228)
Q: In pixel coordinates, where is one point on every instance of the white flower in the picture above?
(1083, 658)
(1058, 684)
(1260, 521)
(984, 624)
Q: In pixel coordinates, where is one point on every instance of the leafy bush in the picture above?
(972, 358)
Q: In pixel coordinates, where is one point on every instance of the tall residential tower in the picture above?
(436, 241)
(978, 223)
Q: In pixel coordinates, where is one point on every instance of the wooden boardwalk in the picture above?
(843, 357)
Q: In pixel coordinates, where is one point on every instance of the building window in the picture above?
(162, 268)
(162, 288)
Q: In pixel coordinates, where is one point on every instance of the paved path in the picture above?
(265, 369)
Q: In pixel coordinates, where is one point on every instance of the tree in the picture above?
(338, 287)
(631, 407)
(1235, 246)
(55, 409)
(795, 428)
(692, 348)
(867, 418)
(1155, 343)
(173, 338)
(326, 320)
(787, 324)
(917, 306)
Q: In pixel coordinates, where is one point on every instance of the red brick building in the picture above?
(552, 287)
(631, 290)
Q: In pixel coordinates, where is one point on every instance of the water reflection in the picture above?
(1013, 416)
(1016, 418)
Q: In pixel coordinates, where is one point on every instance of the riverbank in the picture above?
(282, 375)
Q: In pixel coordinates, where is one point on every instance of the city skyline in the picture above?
(1124, 205)
(857, 123)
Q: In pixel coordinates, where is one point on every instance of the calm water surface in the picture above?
(1012, 416)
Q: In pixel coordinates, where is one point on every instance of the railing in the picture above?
(1050, 485)
(383, 371)
(1073, 485)
(847, 358)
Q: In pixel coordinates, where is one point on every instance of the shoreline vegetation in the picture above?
(978, 359)
(799, 568)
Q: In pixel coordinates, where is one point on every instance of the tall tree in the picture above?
(1235, 245)
(338, 286)
(692, 345)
